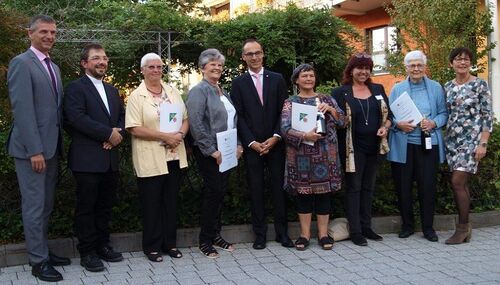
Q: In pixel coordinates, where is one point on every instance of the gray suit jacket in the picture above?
(207, 116)
(36, 108)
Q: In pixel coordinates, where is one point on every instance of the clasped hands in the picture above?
(172, 140)
(263, 148)
(114, 140)
(407, 126)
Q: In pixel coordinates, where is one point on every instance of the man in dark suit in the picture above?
(94, 118)
(258, 97)
(35, 140)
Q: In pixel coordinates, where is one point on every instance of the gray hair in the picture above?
(299, 69)
(149, 56)
(415, 55)
(208, 55)
(33, 25)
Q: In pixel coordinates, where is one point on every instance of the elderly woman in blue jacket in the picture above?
(410, 158)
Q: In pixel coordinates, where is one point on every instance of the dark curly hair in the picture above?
(357, 60)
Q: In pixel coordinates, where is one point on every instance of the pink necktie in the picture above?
(258, 86)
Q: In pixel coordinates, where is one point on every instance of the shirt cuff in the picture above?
(250, 144)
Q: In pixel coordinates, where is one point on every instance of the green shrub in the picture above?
(126, 213)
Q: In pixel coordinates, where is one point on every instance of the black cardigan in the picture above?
(343, 94)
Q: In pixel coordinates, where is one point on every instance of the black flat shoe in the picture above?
(209, 250)
(58, 260)
(431, 236)
(326, 242)
(107, 253)
(358, 239)
(154, 256)
(260, 243)
(405, 233)
(370, 234)
(301, 243)
(223, 244)
(92, 263)
(285, 241)
(45, 272)
(174, 253)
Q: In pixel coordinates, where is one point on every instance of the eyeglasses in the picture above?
(462, 59)
(362, 55)
(97, 58)
(416, 66)
(153, 67)
(252, 54)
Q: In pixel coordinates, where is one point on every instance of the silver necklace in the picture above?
(363, 110)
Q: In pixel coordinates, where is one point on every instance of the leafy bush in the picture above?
(126, 213)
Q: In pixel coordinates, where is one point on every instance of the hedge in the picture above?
(126, 213)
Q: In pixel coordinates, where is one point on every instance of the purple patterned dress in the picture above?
(470, 113)
(311, 169)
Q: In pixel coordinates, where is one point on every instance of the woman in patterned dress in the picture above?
(468, 99)
(312, 171)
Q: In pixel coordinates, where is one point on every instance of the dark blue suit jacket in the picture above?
(89, 125)
(257, 122)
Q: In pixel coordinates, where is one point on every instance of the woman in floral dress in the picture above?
(313, 169)
(468, 99)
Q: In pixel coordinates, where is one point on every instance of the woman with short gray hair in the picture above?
(210, 112)
(158, 158)
(417, 148)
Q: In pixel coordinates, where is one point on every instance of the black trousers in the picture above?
(274, 164)
(422, 167)
(158, 196)
(95, 196)
(320, 204)
(360, 186)
(215, 187)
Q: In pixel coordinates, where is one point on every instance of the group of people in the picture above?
(307, 165)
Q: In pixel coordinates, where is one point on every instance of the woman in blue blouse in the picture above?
(410, 160)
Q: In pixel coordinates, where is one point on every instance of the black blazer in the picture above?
(257, 122)
(343, 94)
(89, 125)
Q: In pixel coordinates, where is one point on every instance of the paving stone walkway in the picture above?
(392, 261)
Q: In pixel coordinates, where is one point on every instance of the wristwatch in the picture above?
(483, 144)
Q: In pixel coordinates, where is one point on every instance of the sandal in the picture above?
(154, 256)
(326, 242)
(224, 245)
(174, 253)
(208, 250)
(301, 243)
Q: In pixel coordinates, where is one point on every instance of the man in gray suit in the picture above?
(35, 140)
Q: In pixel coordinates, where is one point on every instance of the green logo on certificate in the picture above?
(303, 117)
(172, 118)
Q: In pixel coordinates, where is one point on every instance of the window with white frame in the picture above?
(381, 40)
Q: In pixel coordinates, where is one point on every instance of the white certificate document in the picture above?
(227, 145)
(304, 118)
(404, 109)
(170, 117)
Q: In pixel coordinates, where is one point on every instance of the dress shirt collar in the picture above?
(40, 55)
(260, 73)
(94, 80)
